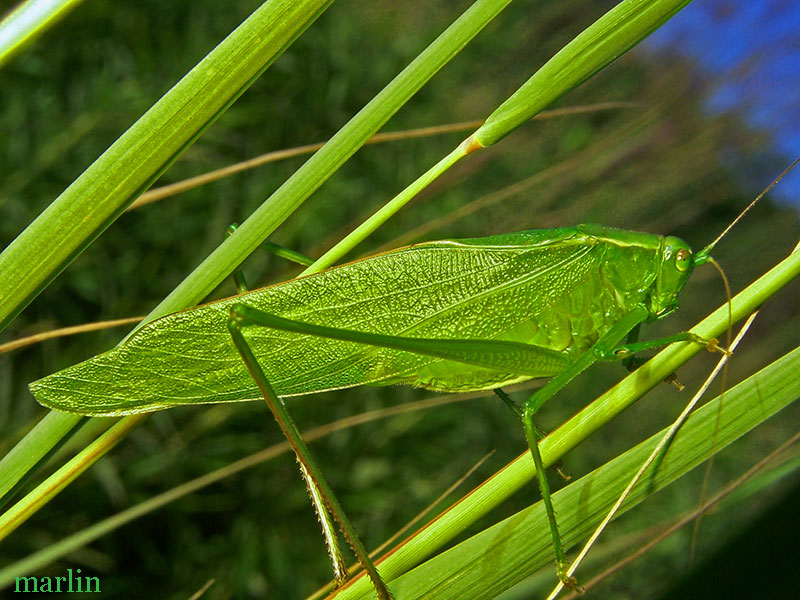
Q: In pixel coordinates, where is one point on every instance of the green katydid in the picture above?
(455, 315)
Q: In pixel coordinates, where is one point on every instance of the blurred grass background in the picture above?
(655, 166)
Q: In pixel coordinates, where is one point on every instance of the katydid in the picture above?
(453, 315)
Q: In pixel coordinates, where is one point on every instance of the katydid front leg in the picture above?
(599, 351)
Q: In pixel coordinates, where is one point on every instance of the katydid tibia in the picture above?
(458, 315)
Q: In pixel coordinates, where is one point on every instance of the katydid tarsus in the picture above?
(453, 315)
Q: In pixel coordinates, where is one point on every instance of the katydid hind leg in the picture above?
(483, 352)
(327, 523)
(534, 434)
(325, 502)
(271, 247)
(339, 564)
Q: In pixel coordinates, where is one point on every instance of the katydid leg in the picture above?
(276, 249)
(238, 276)
(505, 356)
(270, 248)
(601, 349)
(340, 573)
(309, 467)
(509, 402)
(287, 253)
(633, 362)
(606, 348)
(627, 351)
(632, 345)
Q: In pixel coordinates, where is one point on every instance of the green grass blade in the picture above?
(35, 447)
(94, 200)
(48, 489)
(600, 44)
(608, 38)
(29, 20)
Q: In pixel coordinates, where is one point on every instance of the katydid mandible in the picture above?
(453, 315)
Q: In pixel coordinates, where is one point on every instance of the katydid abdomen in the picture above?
(558, 289)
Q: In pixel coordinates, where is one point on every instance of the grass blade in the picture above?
(94, 200)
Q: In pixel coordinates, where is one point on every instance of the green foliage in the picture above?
(136, 159)
(663, 167)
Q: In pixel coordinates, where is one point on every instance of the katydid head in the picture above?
(674, 268)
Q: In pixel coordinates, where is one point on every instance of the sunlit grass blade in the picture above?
(601, 43)
(28, 21)
(140, 155)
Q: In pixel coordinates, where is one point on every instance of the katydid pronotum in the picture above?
(457, 315)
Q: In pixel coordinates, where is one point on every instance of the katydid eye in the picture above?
(683, 258)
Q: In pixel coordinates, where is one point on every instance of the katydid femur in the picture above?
(455, 315)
